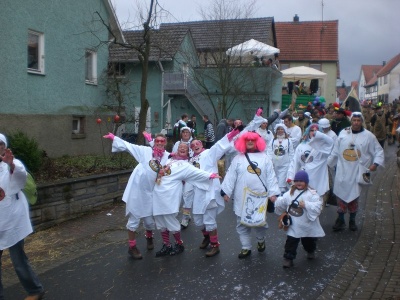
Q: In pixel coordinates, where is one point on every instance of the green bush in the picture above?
(26, 149)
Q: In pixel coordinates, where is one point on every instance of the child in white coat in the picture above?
(303, 206)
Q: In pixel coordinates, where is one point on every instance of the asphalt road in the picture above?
(108, 272)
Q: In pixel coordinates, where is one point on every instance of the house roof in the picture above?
(164, 45)
(386, 69)
(115, 26)
(372, 81)
(370, 71)
(227, 33)
(308, 41)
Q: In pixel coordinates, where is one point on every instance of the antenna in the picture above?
(322, 7)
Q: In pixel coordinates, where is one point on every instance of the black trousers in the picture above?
(309, 244)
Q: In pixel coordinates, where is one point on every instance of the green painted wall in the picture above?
(66, 26)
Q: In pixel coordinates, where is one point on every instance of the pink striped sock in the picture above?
(205, 232)
(165, 237)
(149, 234)
(214, 239)
(177, 236)
(132, 243)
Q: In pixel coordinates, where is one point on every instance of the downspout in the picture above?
(162, 96)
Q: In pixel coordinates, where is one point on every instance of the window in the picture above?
(91, 67)
(148, 119)
(316, 66)
(35, 52)
(385, 79)
(78, 126)
(116, 69)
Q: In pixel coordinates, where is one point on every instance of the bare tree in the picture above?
(149, 17)
(224, 80)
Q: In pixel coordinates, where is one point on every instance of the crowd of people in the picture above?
(289, 163)
(271, 162)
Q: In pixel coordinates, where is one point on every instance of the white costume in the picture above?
(139, 189)
(281, 152)
(312, 157)
(295, 135)
(239, 179)
(370, 151)
(207, 160)
(241, 176)
(307, 224)
(266, 134)
(15, 223)
(168, 194)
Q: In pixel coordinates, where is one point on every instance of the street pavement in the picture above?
(87, 258)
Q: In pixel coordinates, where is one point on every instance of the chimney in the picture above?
(384, 63)
(296, 18)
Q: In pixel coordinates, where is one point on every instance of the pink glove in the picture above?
(259, 111)
(232, 134)
(214, 175)
(147, 136)
(109, 136)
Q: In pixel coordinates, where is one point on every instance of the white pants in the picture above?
(209, 218)
(168, 222)
(187, 195)
(245, 233)
(133, 223)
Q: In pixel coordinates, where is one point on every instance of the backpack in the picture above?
(30, 189)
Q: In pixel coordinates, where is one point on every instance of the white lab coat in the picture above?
(168, 194)
(306, 225)
(138, 194)
(318, 148)
(15, 223)
(345, 185)
(241, 176)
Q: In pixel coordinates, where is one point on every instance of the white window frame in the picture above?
(78, 125)
(90, 66)
(40, 53)
(148, 119)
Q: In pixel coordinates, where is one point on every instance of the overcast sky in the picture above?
(369, 30)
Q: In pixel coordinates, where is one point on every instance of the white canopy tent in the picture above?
(305, 74)
(253, 48)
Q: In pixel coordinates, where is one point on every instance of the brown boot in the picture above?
(206, 241)
(35, 297)
(213, 251)
(135, 253)
(150, 243)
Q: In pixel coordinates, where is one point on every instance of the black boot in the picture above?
(339, 225)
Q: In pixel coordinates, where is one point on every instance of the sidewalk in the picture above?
(371, 271)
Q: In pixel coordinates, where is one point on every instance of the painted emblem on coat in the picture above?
(196, 164)
(279, 151)
(350, 153)
(305, 158)
(2, 194)
(250, 169)
(155, 165)
(295, 210)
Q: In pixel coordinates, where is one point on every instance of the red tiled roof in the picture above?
(389, 66)
(370, 71)
(354, 84)
(372, 81)
(308, 41)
